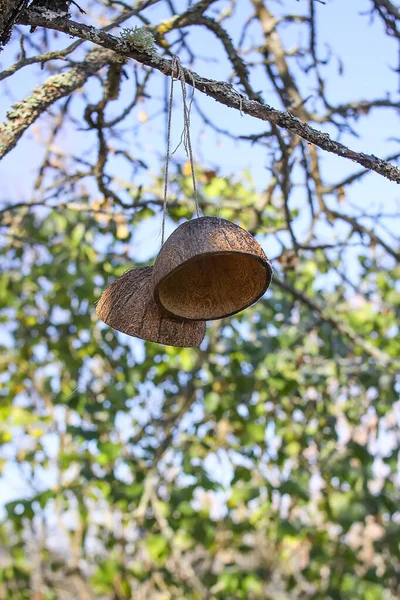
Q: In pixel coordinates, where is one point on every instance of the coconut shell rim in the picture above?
(140, 337)
(151, 341)
(263, 261)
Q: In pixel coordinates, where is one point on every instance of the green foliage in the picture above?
(254, 467)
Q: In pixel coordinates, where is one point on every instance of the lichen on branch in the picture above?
(140, 38)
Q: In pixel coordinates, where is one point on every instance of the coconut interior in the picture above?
(212, 286)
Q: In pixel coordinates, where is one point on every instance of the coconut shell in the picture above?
(128, 306)
(210, 268)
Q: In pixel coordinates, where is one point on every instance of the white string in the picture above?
(177, 68)
(165, 201)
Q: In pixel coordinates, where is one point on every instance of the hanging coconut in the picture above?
(210, 268)
(128, 306)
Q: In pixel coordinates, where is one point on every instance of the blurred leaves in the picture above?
(272, 451)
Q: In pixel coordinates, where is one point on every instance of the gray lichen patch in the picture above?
(51, 15)
(139, 38)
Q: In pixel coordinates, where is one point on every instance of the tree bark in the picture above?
(221, 91)
(9, 13)
(24, 113)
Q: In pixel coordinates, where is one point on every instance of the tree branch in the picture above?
(24, 113)
(221, 92)
(9, 13)
(380, 357)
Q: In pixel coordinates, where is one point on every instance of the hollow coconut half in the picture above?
(128, 306)
(210, 268)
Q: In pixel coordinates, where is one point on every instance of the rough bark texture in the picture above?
(221, 92)
(128, 306)
(9, 13)
(210, 268)
(24, 113)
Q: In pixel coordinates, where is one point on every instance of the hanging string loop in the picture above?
(177, 72)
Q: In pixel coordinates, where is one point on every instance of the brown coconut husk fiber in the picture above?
(128, 306)
(210, 268)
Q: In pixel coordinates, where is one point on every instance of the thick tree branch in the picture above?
(9, 13)
(24, 113)
(221, 92)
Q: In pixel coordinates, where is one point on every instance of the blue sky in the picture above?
(369, 59)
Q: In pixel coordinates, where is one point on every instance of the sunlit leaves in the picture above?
(265, 451)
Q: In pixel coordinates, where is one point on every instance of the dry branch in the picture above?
(221, 92)
(380, 357)
(24, 113)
